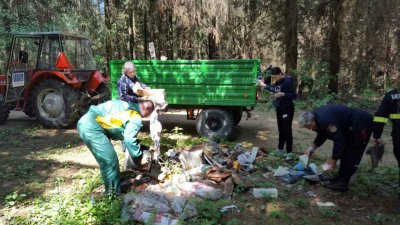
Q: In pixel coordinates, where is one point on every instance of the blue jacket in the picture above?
(125, 91)
(286, 86)
(340, 123)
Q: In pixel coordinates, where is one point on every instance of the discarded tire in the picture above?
(215, 123)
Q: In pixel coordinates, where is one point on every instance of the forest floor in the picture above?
(38, 165)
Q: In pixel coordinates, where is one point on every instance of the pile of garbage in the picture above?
(312, 173)
(206, 171)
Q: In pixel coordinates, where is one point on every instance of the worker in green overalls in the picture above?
(116, 120)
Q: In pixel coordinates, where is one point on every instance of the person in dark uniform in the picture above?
(284, 93)
(389, 109)
(350, 130)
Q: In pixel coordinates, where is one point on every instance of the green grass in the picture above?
(381, 181)
(301, 203)
(328, 212)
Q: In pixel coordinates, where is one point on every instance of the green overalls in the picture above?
(116, 120)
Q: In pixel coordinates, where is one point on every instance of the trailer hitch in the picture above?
(248, 112)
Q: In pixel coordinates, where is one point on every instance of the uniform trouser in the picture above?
(356, 142)
(396, 143)
(284, 115)
(94, 136)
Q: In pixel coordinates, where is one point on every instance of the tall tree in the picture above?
(334, 56)
(108, 4)
(290, 38)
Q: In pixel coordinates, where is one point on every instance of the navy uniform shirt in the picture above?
(336, 122)
(389, 109)
(286, 86)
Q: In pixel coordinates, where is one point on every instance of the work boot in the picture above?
(333, 179)
(337, 186)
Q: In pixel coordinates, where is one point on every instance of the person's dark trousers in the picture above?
(396, 143)
(356, 142)
(284, 115)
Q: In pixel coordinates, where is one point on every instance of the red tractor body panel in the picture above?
(95, 80)
(3, 84)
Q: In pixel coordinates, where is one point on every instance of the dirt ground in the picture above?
(29, 156)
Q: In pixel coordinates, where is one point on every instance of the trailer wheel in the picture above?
(237, 116)
(56, 104)
(215, 123)
(4, 112)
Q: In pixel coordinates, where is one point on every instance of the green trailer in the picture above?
(213, 92)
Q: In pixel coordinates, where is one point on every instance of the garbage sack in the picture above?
(314, 168)
(376, 154)
(191, 159)
(155, 133)
(200, 190)
(155, 207)
(248, 158)
(281, 171)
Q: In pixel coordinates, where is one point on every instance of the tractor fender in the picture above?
(3, 85)
(41, 75)
(95, 80)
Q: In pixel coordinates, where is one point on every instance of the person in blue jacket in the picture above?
(350, 130)
(116, 120)
(284, 93)
(129, 83)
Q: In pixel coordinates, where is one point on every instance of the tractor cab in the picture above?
(40, 67)
(34, 52)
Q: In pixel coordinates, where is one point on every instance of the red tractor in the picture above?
(51, 76)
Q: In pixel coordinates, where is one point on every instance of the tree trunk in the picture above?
(291, 19)
(107, 20)
(145, 36)
(131, 44)
(334, 56)
(212, 40)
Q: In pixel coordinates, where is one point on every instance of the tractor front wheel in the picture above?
(4, 112)
(56, 105)
(215, 123)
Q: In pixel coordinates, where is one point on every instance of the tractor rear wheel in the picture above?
(102, 94)
(215, 123)
(4, 112)
(56, 105)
